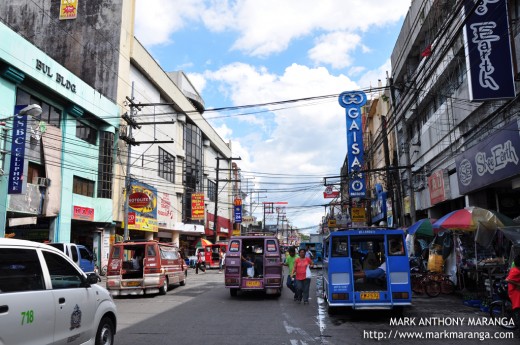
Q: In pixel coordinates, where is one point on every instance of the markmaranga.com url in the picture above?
(396, 334)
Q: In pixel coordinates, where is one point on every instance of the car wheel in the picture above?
(105, 332)
(164, 287)
(183, 282)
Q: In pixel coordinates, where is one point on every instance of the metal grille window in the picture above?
(166, 166)
(105, 165)
(50, 114)
(86, 133)
(212, 192)
(82, 186)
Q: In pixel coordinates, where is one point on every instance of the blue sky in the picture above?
(255, 52)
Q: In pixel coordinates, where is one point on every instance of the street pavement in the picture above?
(203, 312)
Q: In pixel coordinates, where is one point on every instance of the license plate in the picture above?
(133, 283)
(369, 295)
(253, 284)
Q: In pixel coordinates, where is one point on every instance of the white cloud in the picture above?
(156, 20)
(198, 80)
(334, 49)
(370, 78)
(263, 27)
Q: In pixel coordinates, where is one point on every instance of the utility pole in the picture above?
(128, 138)
(215, 215)
(131, 142)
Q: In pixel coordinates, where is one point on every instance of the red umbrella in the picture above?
(467, 219)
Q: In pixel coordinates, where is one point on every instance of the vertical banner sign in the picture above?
(238, 210)
(488, 50)
(15, 185)
(352, 102)
(197, 206)
(68, 9)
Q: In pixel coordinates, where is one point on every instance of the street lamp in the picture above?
(31, 110)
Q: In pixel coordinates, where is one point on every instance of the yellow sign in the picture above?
(331, 223)
(197, 206)
(69, 9)
(236, 232)
(358, 215)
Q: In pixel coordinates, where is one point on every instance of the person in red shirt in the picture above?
(513, 289)
(301, 272)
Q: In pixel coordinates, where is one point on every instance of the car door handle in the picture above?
(4, 309)
(61, 300)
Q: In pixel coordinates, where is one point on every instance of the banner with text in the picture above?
(352, 102)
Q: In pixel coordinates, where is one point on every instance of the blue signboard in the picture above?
(491, 160)
(352, 102)
(238, 214)
(16, 170)
(488, 50)
(379, 204)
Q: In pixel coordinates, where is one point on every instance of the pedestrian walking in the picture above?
(200, 263)
(289, 262)
(302, 273)
(222, 259)
(513, 288)
(308, 253)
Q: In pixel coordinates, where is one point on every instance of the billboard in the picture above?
(488, 50)
(352, 102)
(143, 203)
(491, 160)
(197, 206)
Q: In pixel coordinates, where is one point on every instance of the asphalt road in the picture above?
(203, 312)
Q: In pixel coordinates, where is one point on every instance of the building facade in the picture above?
(460, 149)
(177, 151)
(65, 154)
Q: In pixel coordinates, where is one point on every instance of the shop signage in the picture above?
(378, 211)
(488, 50)
(330, 193)
(15, 183)
(166, 214)
(82, 213)
(352, 102)
(131, 218)
(61, 80)
(331, 223)
(491, 160)
(138, 200)
(358, 215)
(197, 206)
(68, 9)
(238, 214)
(145, 216)
(438, 186)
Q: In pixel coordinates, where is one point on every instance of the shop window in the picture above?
(166, 166)
(212, 190)
(105, 165)
(82, 186)
(86, 133)
(49, 114)
(34, 171)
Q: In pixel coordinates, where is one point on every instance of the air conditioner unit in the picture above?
(42, 181)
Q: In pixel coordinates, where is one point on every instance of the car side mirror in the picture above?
(93, 278)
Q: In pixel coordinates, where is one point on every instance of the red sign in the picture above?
(138, 200)
(131, 218)
(197, 206)
(238, 202)
(329, 193)
(83, 213)
(436, 187)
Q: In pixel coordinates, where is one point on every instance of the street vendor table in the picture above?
(487, 273)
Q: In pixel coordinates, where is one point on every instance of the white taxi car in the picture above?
(46, 299)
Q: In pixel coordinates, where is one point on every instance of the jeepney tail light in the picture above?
(400, 295)
(152, 270)
(231, 281)
(341, 296)
(273, 281)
